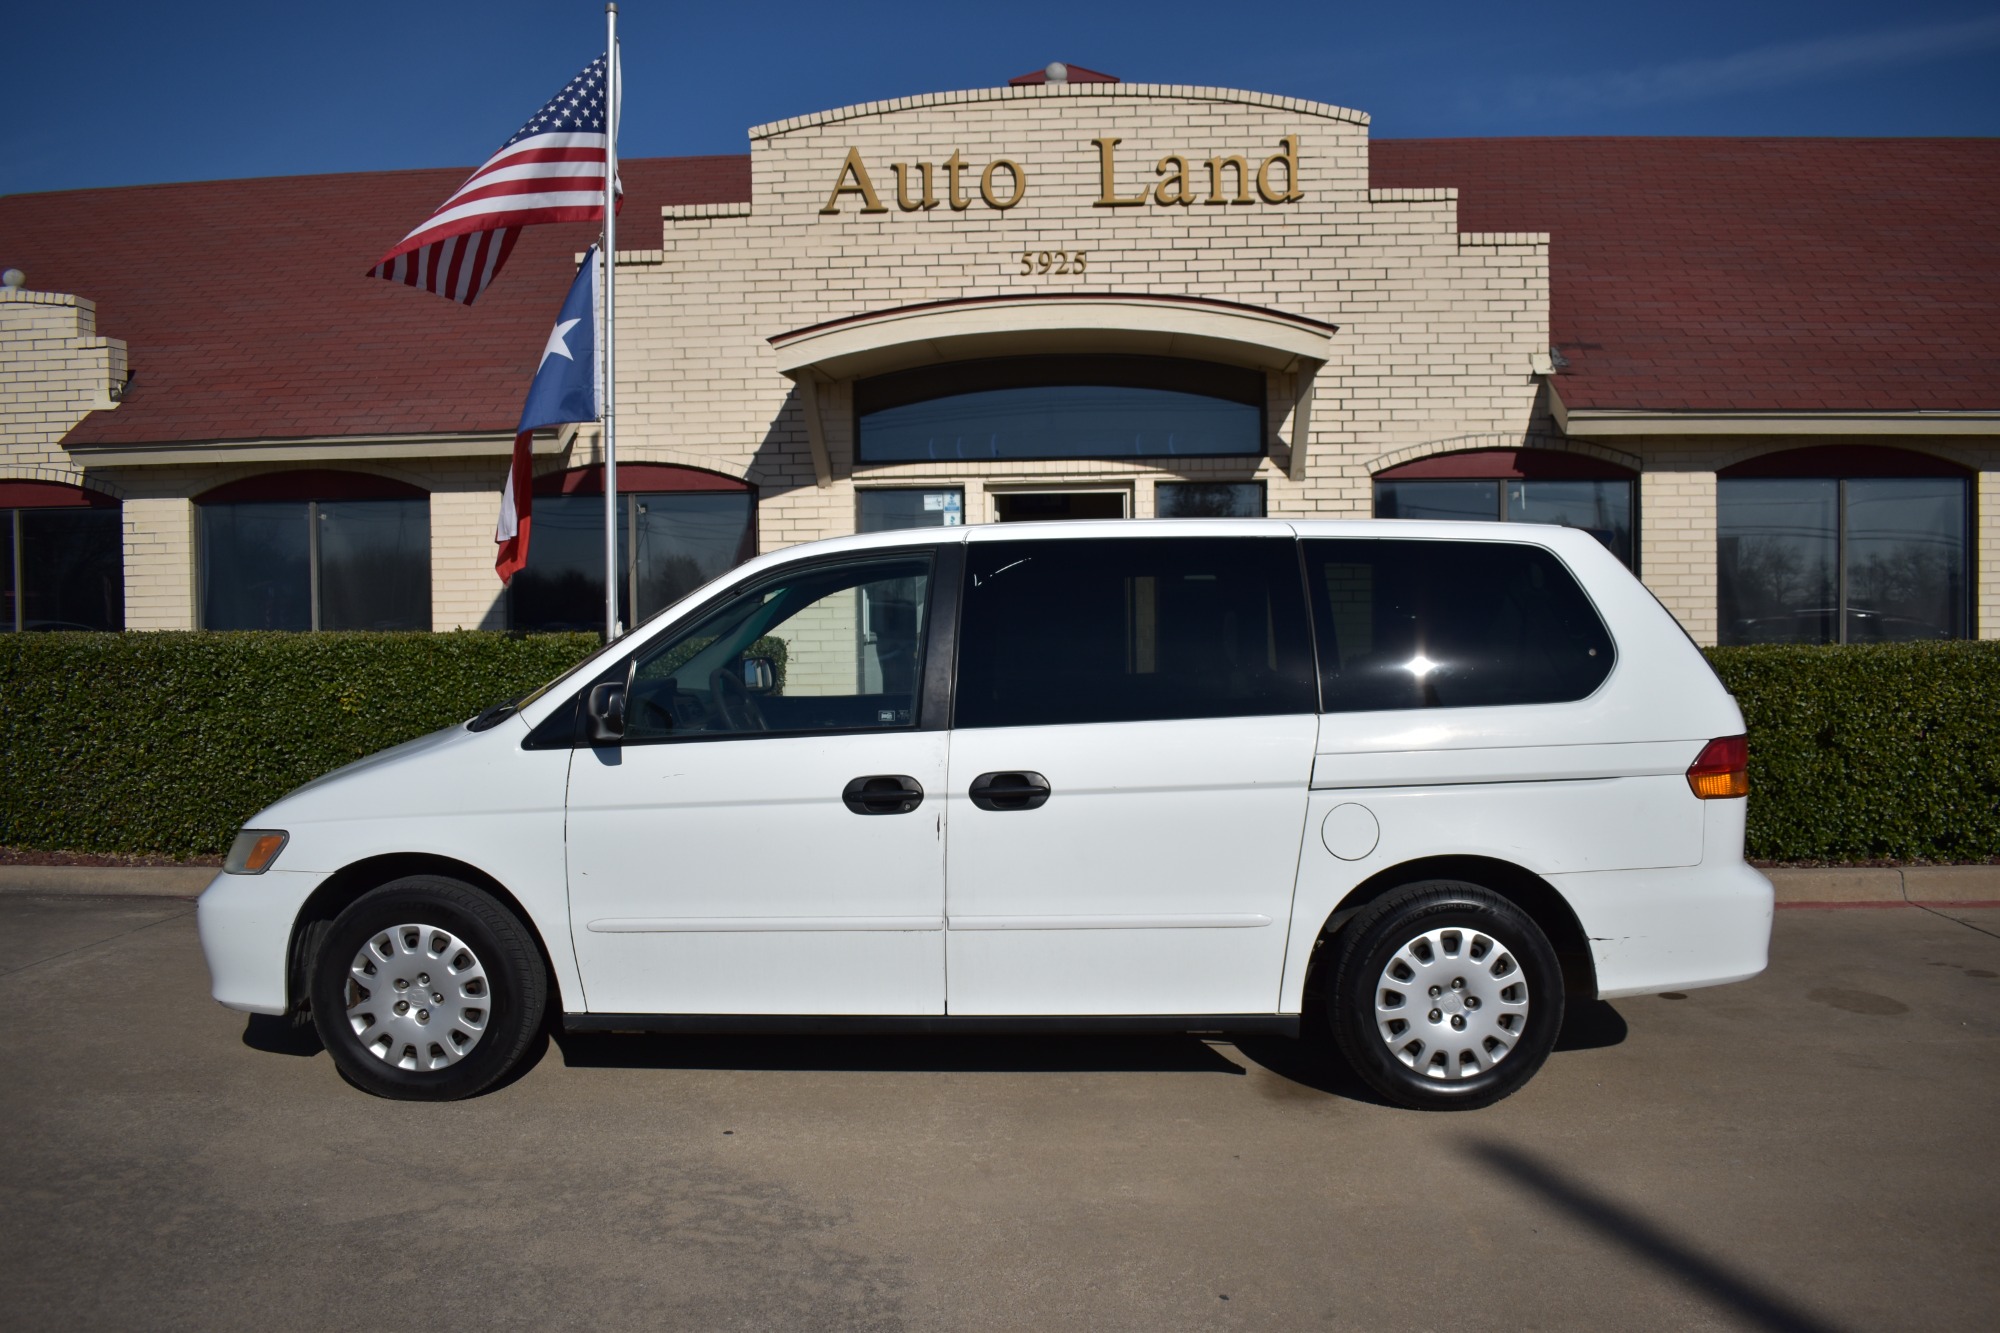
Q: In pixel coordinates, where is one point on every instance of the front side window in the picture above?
(1438, 624)
(1051, 407)
(835, 647)
(353, 564)
(62, 568)
(1515, 486)
(1128, 630)
(1842, 560)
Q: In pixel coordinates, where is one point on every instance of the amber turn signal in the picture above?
(1721, 769)
(254, 850)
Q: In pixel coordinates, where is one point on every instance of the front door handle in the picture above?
(1009, 791)
(883, 794)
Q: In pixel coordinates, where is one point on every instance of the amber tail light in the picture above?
(1721, 769)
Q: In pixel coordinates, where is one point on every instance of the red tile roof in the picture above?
(1748, 274)
(247, 316)
(1794, 274)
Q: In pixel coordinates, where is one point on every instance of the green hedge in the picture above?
(164, 743)
(1868, 752)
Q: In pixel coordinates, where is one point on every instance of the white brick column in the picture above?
(159, 563)
(1677, 546)
(1986, 561)
(465, 592)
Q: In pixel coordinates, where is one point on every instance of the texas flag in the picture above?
(565, 390)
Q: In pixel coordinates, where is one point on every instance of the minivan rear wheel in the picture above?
(1445, 996)
(427, 989)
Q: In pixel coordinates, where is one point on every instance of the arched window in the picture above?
(678, 527)
(1843, 544)
(1515, 486)
(1060, 407)
(314, 550)
(62, 561)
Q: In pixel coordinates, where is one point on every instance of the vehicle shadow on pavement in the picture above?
(1754, 1304)
(895, 1054)
(277, 1034)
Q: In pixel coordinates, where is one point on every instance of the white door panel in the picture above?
(730, 877)
(1157, 878)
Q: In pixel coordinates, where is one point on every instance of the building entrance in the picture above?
(1043, 506)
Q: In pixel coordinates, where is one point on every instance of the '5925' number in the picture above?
(1053, 261)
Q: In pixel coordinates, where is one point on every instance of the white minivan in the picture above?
(1420, 781)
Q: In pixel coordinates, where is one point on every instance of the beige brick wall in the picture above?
(1677, 546)
(1437, 328)
(1986, 590)
(54, 370)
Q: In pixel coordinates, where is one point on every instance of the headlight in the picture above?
(254, 850)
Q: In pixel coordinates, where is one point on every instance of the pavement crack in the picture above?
(1994, 934)
(58, 957)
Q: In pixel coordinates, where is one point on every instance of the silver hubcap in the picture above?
(1452, 1003)
(417, 997)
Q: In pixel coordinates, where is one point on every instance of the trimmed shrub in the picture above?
(165, 743)
(1865, 752)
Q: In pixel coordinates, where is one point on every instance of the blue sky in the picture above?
(118, 93)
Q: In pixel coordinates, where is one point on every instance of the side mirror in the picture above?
(606, 709)
(759, 675)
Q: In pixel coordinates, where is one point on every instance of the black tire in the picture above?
(1512, 977)
(394, 1058)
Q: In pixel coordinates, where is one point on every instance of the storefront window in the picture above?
(669, 544)
(1209, 499)
(885, 510)
(1094, 407)
(1515, 486)
(62, 563)
(1842, 559)
(315, 551)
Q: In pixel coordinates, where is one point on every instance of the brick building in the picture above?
(1765, 372)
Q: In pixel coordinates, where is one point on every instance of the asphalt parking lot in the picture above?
(1814, 1149)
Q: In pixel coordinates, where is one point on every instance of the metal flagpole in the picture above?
(608, 333)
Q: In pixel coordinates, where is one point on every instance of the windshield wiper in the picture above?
(495, 715)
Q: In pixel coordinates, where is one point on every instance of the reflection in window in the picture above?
(62, 569)
(1209, 499)
(315, 564)
(824, 648)
(1438, 624)
(1856, 560)
(1603, 508)
(669, 544)
(888, 510)
(1061, 407)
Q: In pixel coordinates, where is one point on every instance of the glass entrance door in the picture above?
(1044, 506)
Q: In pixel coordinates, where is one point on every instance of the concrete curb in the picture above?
(115, 881)
(1842, 884)
(1869, 884)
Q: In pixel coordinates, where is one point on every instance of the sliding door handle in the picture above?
(1009, 791)
(883, 794)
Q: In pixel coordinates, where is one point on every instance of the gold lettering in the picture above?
(986, 183)
(958, 198)
(903, 187)
(862, 186)
(1290, 157)
(1174, 188)
(1215, 166)
(1108, 174)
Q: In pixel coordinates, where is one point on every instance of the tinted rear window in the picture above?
(1442, 624)
(1132, 629)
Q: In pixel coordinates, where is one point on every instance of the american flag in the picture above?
(552, 170)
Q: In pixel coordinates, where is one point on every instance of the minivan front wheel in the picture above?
(426, 989)
(1445, 996)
